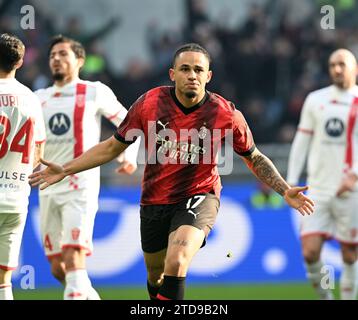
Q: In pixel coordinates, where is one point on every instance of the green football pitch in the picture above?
(287, 291)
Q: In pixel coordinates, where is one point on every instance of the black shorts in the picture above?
(158, 221)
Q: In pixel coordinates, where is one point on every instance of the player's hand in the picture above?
(50, 175)
(297, 200)
(347, 184)
(126, 167)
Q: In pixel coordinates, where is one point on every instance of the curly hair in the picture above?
(12, 50)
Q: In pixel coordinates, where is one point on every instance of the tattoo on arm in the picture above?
(265, 170)
(180, 242)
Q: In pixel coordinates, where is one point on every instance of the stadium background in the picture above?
(267, 55)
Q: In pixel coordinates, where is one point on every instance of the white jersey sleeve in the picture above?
(301, 143)
(108, 104)
(113, 110)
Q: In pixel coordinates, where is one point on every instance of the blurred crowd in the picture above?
(266, 65)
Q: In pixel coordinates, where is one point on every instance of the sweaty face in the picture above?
(342, 69)
(63, 62)
(191, 74)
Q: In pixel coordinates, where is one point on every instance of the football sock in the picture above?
(6, 292)
(153, 291)
(172, 288)
(77, 284)
(92, 294)
(315, 276)
(348, 281)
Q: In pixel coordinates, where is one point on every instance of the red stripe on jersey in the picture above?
(112, 117)
(352, 117)
(78, 118)
(6, 268)
(305, 130)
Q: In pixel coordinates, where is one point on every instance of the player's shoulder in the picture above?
(26, 92)
(44, 92)
(151, 95)
(320, 93)
(221, 102)
(21, 88)
(155, 92)
(95, 84)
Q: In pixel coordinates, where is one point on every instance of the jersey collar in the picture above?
(185, 110)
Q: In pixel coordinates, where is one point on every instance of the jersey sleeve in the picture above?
(108, 104)
(131, 127)
(243, 141)
(301, 143)
(306, 124)
(39, 124)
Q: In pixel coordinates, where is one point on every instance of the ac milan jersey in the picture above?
(328, 133)
(72, 116)
(21, 126)
(182, 143)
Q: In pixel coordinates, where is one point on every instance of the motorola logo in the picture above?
(334, 127)
(59, 124)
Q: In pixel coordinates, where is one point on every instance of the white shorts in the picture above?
(11, 230)
(333, 217)
(67, 220)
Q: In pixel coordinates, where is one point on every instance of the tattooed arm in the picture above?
(263, 168)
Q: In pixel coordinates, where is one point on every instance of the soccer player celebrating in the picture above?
(72, 111)
(327, 133)
(183, 127)
(22, 133)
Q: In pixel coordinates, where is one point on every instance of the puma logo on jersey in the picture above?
(163, 125)
(59, 124)
(193, 213)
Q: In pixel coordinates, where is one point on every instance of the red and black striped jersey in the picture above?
(182, 144)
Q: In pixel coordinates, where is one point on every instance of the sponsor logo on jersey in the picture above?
(203, 131)
(162, 125)
(59, 124)
(334, 127)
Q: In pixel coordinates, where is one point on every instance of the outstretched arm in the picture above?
(39, 152)
(264, 169)
(101, 153)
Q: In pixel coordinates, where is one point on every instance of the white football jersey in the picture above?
(21, 126)
(72, 116)
(328, 132)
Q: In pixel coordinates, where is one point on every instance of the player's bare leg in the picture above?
(5, 285)
(311, 248)
(349, 277)
(58, 268)
(183, 244)
(78, 284)
(155, 271)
